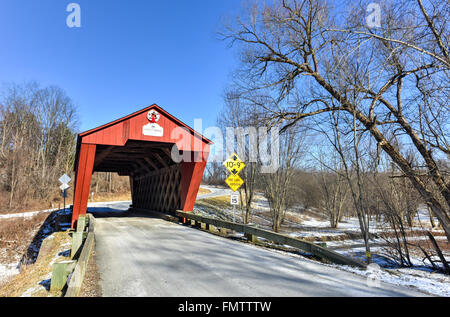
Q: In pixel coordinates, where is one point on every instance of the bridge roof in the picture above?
(139, 112)
(125, 141)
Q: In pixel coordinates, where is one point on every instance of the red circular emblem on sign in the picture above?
(153, 116)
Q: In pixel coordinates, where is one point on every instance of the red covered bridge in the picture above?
(163, 157)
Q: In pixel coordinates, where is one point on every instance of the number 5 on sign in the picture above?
(234, 199)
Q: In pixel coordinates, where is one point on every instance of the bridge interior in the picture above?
(154, 176)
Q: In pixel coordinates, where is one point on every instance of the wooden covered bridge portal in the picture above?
(140, 146)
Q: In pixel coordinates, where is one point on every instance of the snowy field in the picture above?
(8, 270)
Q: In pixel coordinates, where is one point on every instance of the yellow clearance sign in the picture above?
(234, 164)
(234, 182)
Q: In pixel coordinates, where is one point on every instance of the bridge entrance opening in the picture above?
(163, 157)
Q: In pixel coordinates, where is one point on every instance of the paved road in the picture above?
(144, 256)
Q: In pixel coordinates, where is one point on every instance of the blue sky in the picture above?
(127, 54)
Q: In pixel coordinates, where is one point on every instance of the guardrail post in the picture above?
(77, 240)
(60, 272)
(251, 237)
(81, 223)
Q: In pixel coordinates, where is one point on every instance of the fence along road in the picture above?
(143, 256)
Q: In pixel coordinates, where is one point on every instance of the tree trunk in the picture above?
(430, 213)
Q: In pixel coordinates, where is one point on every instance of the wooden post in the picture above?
(81, 223)
(76, 280)
(60, 272)
(250, 237)
(77, 241)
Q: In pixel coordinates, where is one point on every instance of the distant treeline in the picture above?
(38, 128)
(37, 142)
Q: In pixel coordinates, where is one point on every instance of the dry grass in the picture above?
(203, 191)
(220, 202)
(104, 197)
(25, 205)
(36, 276)
(16, 235)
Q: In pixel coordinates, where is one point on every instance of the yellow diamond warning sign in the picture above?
(234, 164)
(234, 182)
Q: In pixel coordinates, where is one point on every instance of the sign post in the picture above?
(234, 165)
(64, 180)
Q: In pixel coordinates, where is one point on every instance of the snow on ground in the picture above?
(419, 278)
(8, 270)
(317, 234)
(28, 214)
(423, 217)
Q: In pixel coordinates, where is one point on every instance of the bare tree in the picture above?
(37, 128)
(334, 193)
(395, 203)
(278, 187)
(354, 171)
(215, 173)
(393, 80)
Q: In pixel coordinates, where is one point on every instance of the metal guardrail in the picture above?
(309, 247)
